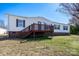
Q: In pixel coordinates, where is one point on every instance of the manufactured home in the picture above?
(20, 26)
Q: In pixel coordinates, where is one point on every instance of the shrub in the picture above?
(74, 29)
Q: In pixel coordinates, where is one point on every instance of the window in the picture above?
(39, 22)
(20, 23)
(65, 27)
(56, 26)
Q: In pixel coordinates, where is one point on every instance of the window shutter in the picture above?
(23, 23)
(16, 22)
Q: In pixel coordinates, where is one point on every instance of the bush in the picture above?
(74, 29)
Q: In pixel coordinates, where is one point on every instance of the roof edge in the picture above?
(36, 17)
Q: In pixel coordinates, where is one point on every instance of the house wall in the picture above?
(31, 20)
(28, 21)
(61, 29)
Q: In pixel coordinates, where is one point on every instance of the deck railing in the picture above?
(38, 27)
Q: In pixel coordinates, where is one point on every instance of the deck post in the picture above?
(52, 29)
(34, 35)
(33, 30)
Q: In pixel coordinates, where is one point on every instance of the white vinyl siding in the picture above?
(31, 20)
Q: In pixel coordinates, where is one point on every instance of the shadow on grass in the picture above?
(27, 39)
(37, 38)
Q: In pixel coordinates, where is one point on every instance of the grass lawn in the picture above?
(56, 46)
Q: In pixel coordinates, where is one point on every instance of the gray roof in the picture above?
(37, 17)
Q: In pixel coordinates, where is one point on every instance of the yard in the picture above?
(55, 46)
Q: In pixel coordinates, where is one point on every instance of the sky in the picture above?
(46, 10)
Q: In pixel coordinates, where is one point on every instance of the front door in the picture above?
(39, 25)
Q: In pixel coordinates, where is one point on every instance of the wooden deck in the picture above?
(34, 30)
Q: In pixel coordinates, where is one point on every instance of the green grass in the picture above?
(55, 46)
(3, 35)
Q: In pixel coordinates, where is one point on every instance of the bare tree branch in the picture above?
(71, 9)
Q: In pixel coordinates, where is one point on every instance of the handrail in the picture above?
(26, 27)
(32, 27)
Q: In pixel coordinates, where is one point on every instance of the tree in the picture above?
(2, 25)
(73, 10)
